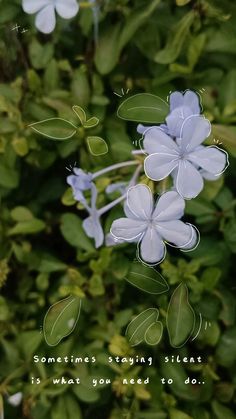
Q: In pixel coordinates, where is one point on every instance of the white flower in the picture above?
(46, 17)
(152, 225)
(186, 159)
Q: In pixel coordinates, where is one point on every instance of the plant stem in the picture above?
(114, 167)
(121, 198)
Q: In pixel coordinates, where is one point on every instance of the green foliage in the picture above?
(61, 87)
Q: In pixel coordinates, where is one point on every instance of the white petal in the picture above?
(195, 130)
(67, 8)
(175, 232)
(156, 140)
(127, 229)
(15, 399)
(194, 242)
(152, 248)
(191, 99)
(189, 182)
(159, 165)
(170, 206)
(176, 118)
(176, 100)
(33, 6)
(46, 20)
(140, 201)
(211, 159)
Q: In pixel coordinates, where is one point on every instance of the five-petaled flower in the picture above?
(46, 17)
(186, 159)
(152, 225)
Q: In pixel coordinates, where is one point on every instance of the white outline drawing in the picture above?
(194, 316)
(75, 320)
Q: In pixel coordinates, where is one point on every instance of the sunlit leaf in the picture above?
(97, 146)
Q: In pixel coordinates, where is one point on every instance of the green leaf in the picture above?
(107, 51)
(143, 107)
(226, 349)
(137, 328)
(180, 317)
(73, 232)
(154, 333)
(40, 55)
(31, 226)
(49, 263)
(176, 40)
(221, 411)
(146, 279)
(80, 113)
(61, 319)
(86, 395)
(225, 135)
(136, 21)
(178, 414)
(55, 128)
(97, 146)
(9, 178)
(29, 342)
(91, 122)
(21, 214)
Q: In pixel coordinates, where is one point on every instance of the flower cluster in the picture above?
(174, 148)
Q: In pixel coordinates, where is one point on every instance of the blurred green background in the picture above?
(153, 46)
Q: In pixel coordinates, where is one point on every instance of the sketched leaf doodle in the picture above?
(180, 317)
(61, 319)
(97, 146)
(80, 113)
(91, 122)
(143, 107)
(146, 279)
(55, 128)
(154, 333)
(137, 328)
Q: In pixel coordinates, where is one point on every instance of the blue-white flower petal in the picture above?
(46, 20)
(93, 229)
(188, 182)
(140, 201)
(175, 232)
(191, 99)
(211, 159)
(158, 166)
(127, 228)
(152, 249)
(176, 100)
(33, 6)
(194, 131)
(156, 140)
(67, 8)
(170, 206)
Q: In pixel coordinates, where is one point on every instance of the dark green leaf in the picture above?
(180, 317)
(146, 279)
